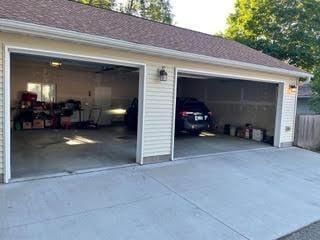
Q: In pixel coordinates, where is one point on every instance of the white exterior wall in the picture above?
(159, 96)
(158, 117)
(288, 114)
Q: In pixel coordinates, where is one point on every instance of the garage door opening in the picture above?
(215, 115)
(69, 115)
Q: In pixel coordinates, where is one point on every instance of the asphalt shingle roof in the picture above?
(81, 18)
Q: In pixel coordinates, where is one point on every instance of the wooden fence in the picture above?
(307, 133)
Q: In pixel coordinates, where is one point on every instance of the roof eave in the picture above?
(61, 34)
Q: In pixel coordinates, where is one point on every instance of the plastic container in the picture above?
(257, 135)
(233, 131)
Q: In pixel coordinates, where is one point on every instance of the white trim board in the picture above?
(8, 49)
(78, 57)
(7, 116)
(141, 113)
(229, 76)
(12, 26)
(174, 112)
(279, 114)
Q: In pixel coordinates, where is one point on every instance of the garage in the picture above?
(222, 114)
(70, 116)
(68, 81)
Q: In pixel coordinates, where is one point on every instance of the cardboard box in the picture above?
(27, 125)
(48, 123)
(65, 120)
(38, 124)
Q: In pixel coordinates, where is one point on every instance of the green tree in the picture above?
(157, 10)
(108, 4)
(286, 29)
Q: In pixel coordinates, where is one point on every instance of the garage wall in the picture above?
(152, 147)
(235, 102)
(74, 83)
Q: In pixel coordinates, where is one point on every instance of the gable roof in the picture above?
(72, 16)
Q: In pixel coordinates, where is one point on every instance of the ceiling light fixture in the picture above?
(55, 63)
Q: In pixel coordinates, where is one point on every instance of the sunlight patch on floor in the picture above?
(207, 134)
(78, 140)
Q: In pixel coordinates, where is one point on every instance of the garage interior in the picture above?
(243, 112)
(68, 115)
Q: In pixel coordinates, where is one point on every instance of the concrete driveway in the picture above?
(256, 194)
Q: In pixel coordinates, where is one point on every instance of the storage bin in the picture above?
(257, 135)
(233, 131)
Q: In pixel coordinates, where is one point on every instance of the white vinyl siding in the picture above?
(158, 111)
(1, 110)
(288, 114)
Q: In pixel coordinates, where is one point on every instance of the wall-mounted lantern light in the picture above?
(293, 88)
(163, 75)
(55, 63)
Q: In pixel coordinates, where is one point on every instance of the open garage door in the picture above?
(68, 116)
(215, 115)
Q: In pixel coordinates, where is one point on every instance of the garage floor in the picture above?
(39, 152)
(257, 195)
(209, 143)
(42, 152)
